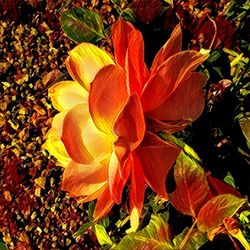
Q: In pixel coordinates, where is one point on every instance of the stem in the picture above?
(215, 31)
(187, 236)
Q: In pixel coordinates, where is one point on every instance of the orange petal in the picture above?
(121, 31)
(118, 176)
(83, 141)
(84, 61)
(66, 94)
(108, 94)
(53, 142)
(130, 117)
(156, 157)
(171, 47)
(186, 103)
(136, 193)
(103, 205)
(93, 196)
(84, 180)
(129, 52)
(168, 76)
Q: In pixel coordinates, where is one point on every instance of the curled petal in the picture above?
(84, 61)
(84, 180)
(54, 143)
(171, 47)
(130, 117)
(186, 103)
(168, 77)
(66, 94)
(156, 157)
(108, 95)
(82, 139)
(104, 204)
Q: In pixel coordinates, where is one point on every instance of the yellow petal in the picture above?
(66, 94)
(83, 141)
(84, 61)
(54, 144)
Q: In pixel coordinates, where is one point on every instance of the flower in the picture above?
(100, 134)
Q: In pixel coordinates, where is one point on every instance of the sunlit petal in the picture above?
(66, 94)
(54, 144)
(108, 95)
(84, 61)
(84, 180)
(83, 141)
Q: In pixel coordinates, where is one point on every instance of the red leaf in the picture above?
(219, 187)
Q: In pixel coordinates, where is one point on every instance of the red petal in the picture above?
(130, 117)
(108, 94)
(168, 77)
(157, 157)
(103, 205)
(136, 192)
(171, 47)
(186, 102)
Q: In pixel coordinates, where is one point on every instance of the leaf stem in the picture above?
(183, 243)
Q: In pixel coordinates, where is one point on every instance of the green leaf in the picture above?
(82, 229)
(82, 25)
(3, 246)
(230, 180)
(191, 186)
(195, 241)
(215, 210)
(245, 127)
(156, 235)
(128, 15)
(101, 235)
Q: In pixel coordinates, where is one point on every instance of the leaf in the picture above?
(245, 127)
(101, 235)
(156, 235)
(219, 187)
(82, 229)
(82, 25)
(215, 210)
(195, 241)
(230, 180)
(191, 186)
(3, 246)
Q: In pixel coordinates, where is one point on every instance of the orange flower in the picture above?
(100, 134)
